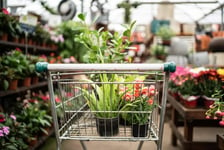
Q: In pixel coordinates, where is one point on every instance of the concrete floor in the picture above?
(201, 134)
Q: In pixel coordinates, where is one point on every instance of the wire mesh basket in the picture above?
(124, 102)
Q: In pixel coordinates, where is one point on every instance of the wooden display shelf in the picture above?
(30, 47)
(220, 141)
(22, 89)
(190, 118)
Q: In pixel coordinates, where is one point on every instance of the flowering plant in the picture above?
(12, 133)
(34, 115)
(216, 110)
(138, 100)
(209, 82)
(184, 81)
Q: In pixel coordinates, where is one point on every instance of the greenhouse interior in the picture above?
(161, 62)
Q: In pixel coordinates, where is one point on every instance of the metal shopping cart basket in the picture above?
(122, 102)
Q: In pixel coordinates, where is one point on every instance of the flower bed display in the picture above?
(204, 83)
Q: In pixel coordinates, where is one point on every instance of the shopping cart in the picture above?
(81, 93)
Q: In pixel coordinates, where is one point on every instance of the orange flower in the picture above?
(139, 84)
(150, 101)
(137, 93)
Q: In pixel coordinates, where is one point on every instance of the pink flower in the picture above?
(1, 133)
(5, 130)
(72, 59)
(5, 11)
(57, 99)
(127, 96)
(13, 117)
(221, 123)
(149, 91)
(69, 94)
(45, 98)
(138, 84)
(207, 117)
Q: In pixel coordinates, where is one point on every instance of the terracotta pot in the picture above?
(208, 101)
(35, 80)
(13, 84)
(22, 40)
(32, 141)
(16, 40)
(166, 42)
(4, 37)
(30, 42)
(27, 81)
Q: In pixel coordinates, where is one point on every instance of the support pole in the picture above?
(222, 21)
(82, 6)
(3, 4)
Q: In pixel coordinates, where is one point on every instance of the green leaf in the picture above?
(5, 84)
(82, 17)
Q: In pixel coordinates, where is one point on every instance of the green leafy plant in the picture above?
(103, 99)
(71, 47)
(102, 46)
(165, 32)
(159, 51)
(36, 119)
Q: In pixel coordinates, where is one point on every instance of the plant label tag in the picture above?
(28, 23)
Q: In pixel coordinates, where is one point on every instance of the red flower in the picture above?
(18, 49)
(2, 118)
(5, 11)
(52, 54)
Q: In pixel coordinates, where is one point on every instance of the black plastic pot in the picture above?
(107, 126)
(140, 130)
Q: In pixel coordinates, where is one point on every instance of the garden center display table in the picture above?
(189, 118)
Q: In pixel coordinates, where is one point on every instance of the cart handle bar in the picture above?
(167, 67)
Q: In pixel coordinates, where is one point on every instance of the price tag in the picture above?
(28, 19)
(28, 22)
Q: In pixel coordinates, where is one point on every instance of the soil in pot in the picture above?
(107, 126)
(140, 130)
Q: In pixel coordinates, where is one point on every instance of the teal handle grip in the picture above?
(41, 66)
(170, 67)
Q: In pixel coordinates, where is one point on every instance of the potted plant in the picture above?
(210, 86)
(36, 119)
(138, 104)
(11, 68)
(12, 132)
(103, 100)
(166, 33)
(189, 91)
(159, 52)
(4, 20)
